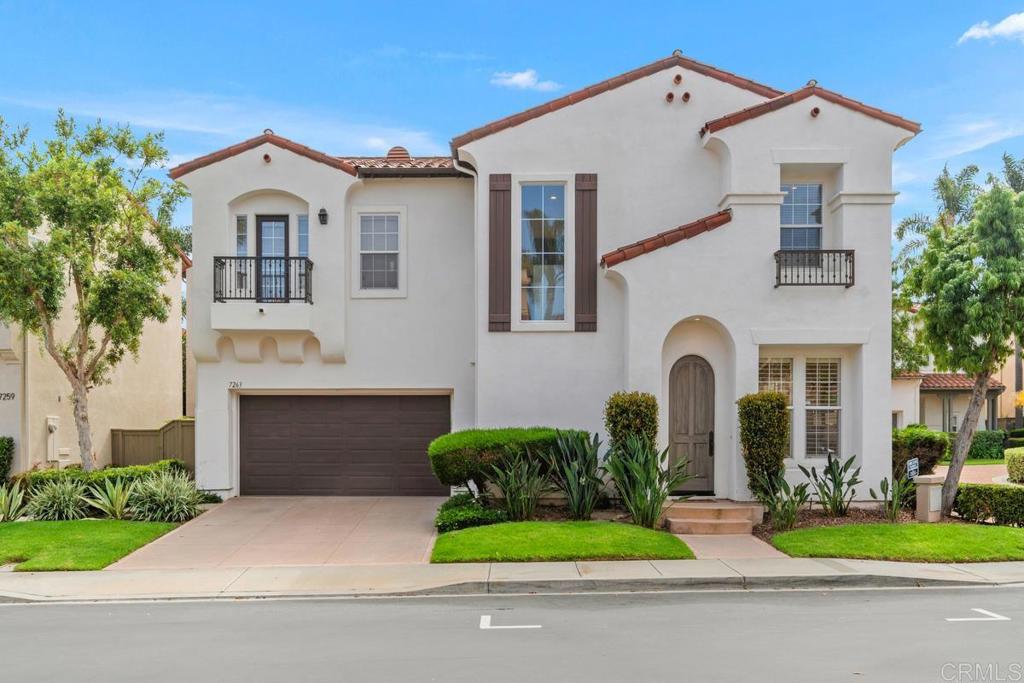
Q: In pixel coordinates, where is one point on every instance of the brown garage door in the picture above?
(340, 445)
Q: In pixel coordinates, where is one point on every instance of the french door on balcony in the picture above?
(272, 257)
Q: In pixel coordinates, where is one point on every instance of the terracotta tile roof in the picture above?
(411, 165)
(268, 137)
(663, 239)
(675, 59)
(954, 381)
(803, 93)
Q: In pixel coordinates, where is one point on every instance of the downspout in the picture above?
(471, 172)
(1018, 385)
(24, 458)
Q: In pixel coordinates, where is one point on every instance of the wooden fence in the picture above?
(176, 439)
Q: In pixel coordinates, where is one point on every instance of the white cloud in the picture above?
(236, 118)
(1010, 28)
(523, 80)
(964, 135)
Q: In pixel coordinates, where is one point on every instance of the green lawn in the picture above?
(906, 542)
(80, 544)
(555, 541)
(979, 461)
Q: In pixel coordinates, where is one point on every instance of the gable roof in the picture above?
(812, 88)
(268, 137)
(664, 239)
(675, 59)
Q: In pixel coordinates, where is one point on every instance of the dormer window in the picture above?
(801, 216)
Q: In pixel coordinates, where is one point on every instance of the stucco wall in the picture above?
(906, 400)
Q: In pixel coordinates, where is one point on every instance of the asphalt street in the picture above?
(862, 635)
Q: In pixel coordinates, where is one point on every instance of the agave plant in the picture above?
(166, 497)
(113, 498)
(644, 478)
(576, 472)
(12, 503)
(58, 499)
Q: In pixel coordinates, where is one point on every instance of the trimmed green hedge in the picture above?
(1016, 433)
(987, 444)
(917, 441)
(463, 511)
(764, 435)
(1015, 442)
(468, 456)
(631, 412)
(1015, 464)
(34, 478)
(999, 502)
(6, 457)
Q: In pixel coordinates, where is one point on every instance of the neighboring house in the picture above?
(677, 229)
(939, 401)
(35, 404)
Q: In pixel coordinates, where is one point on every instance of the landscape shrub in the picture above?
(470, 455)
(644, 478)
(764, 436)
(987, 444)
(12, 502)
(58, 500)
(465, 516)
(631, 413)
(169, 496)
(1015, 465)
(782, 502)
(575, 470)
(917, 441)
(112, 498)
(835, 487)
(459, 500)
(893, 496)
(1015, 442)
(999, 502)
(1016, 433)
(521, 481)
(6, 457)
(34, 478)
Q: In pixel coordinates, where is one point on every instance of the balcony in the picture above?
(814, 268)
(267, 279)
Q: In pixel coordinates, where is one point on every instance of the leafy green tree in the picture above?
(82, 258)
(909, 353)
(969, 283)
(954, 195)
(1013, 172)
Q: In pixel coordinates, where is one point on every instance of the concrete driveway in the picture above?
(278, 531)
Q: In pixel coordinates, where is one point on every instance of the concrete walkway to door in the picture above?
(283, 530)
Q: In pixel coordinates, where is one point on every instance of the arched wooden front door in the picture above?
(691, 411)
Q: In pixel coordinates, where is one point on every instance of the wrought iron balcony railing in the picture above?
(267, 279)
(814, 267)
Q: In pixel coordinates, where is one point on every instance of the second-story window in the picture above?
(543, 252)
(378, 251)
(241, 236)
(801, 216)
(303, 235)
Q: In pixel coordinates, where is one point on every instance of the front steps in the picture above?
(712, 517)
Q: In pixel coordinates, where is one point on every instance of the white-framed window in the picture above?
(823, 409)
(543, 252)
(302, 233)
(800, 218)
(380, 256)
(776, 374)
(241, 235)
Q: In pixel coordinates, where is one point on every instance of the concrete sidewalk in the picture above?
(468, 579)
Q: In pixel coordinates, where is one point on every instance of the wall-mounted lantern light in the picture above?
(322, 215)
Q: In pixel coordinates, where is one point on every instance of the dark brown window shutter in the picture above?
(586, 252)
(499, 241)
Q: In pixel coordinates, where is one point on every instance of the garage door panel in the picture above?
(340, 445)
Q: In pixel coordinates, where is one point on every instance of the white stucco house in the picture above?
(676, 229)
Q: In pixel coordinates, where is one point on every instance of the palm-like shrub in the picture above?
(12, 503)
(165, 497)
(521, 481)
(781, 501)
(835, 485)
(644, 478)
(59, 499)
(893, 496)
(576, 471)
(112, 498)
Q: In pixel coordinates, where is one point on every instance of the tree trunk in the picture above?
(80, 403)
(962, 443)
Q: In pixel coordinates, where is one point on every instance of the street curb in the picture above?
(552, 587)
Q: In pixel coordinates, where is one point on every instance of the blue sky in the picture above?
(356, 78)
